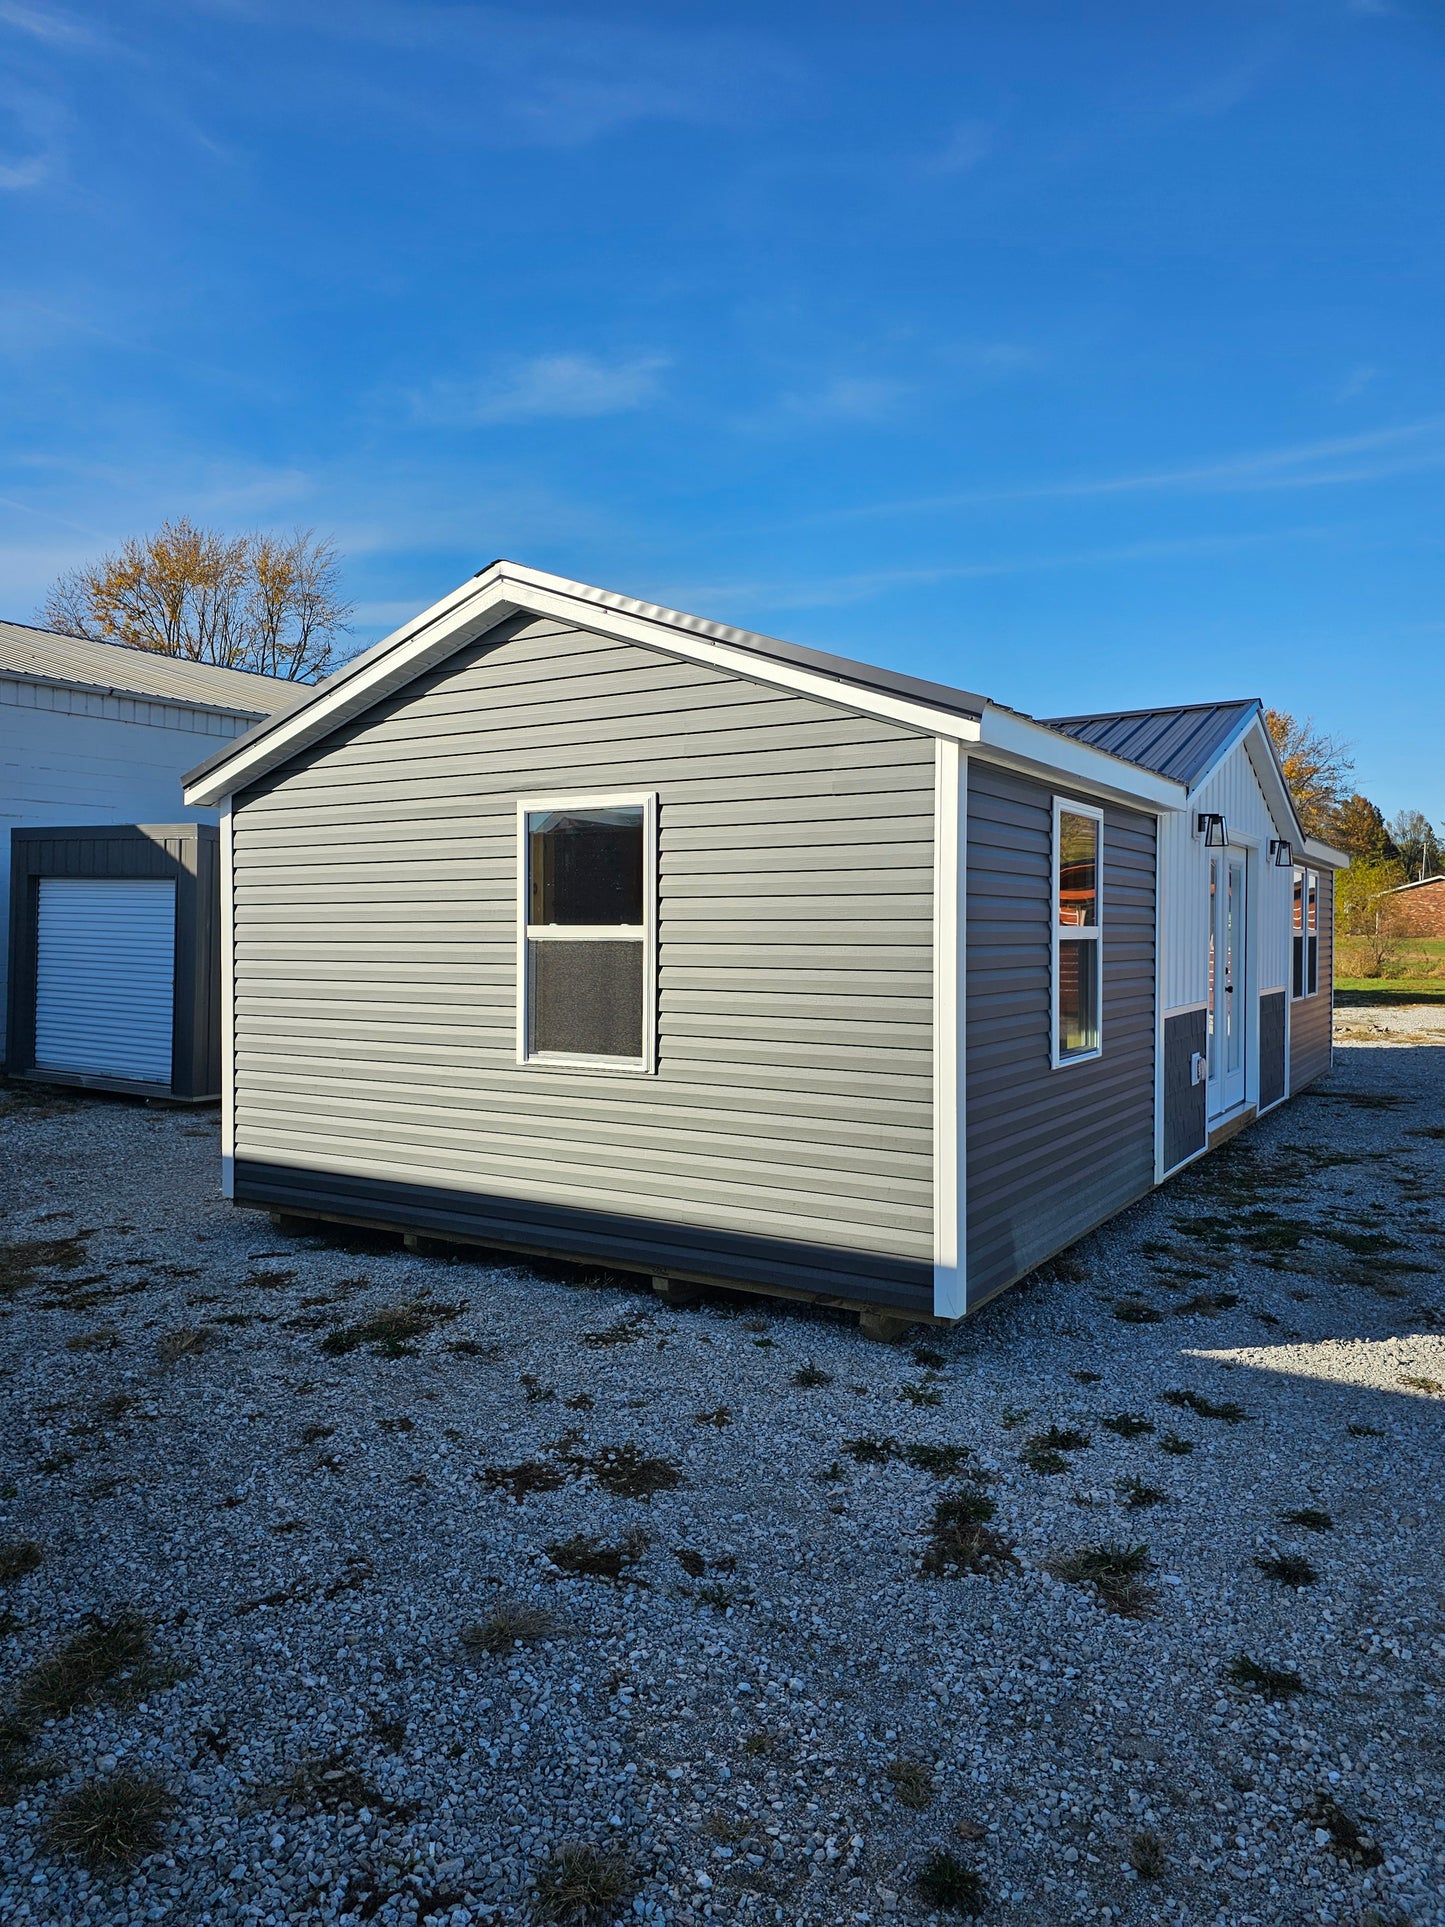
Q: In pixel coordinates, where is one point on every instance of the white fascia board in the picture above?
(1325, 855)
(468, 612)
(1041, 751)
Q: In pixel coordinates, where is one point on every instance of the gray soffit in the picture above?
(1182, 743)
(40, 655)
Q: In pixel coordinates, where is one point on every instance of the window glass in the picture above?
(1078, 997)
(585, 867)
(1078, 871)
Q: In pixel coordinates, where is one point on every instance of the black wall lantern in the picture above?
(1282, 850)
(1213, 828)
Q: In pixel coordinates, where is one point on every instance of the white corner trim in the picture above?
(1160, 927)
(228, 1001)
(950, 856)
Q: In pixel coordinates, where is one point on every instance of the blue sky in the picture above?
(1085, 356)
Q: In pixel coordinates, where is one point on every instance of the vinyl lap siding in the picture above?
(1311, 1019)
(1050, 1153)
(787, 1132)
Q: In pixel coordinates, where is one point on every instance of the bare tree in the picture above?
(1419, 847)
(1317, 768)
(255, 601)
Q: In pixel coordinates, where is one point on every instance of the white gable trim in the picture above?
(506, 590)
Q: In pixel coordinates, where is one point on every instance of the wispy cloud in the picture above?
(1356, 382)
(533, 78)
(1330, 463)
(560, 386)
(38, 122)
(849, 398)
(47, 23)
(970, 142)
(837, 590)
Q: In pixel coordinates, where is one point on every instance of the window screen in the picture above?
(586, 935)
(587, 998)
(1076, 935)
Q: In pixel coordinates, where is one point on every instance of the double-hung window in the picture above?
(587, 917)
(1306, 932)
(1077, 943)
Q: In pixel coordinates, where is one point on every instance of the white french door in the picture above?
(1228, 979)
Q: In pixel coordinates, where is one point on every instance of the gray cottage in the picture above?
(561, 923)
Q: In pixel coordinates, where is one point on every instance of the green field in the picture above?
(1414, 974)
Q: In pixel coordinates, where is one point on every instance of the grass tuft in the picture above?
(628, 1473)
(1310, 1518)
(1346, 1839)
(946, 1883)
(1128, 1425)
(1227, 1412)
(912, 1783)
(1136, 1495)
(584, 1557)
(1043, 1452)
(1135, 1311)
(185, 1343)
(961, 1540)
(1289, 1568)
(89, 1667)
(1257, 1676)
(583, 1884)
(391, 1332)
(941, 1460)
(809, 1377)
(1147, 1855)
(110, 1823)
(872, 1449)
(19, 1557)
(1116, 1572)
(507, 1625)
(532, 1475)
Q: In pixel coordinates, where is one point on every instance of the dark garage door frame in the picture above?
(187, 854)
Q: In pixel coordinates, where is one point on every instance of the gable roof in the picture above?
(115, 669)
(1420, 883)
(1184, 742)
(504, 589)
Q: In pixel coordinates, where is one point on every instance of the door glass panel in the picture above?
(1213, 1018)
(1233, 968)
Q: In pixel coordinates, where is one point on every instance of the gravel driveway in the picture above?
(803, 1620)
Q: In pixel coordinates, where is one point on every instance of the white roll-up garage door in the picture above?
(105, 977)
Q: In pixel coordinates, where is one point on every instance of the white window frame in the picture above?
(1308, 881)
(1078, 933)
(527, 934)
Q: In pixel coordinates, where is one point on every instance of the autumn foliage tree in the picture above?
(260, 601)
(1317, 768)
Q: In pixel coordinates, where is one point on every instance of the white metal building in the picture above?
(95, 733)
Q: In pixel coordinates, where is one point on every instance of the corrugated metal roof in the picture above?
(42, 655)
(1181, 743)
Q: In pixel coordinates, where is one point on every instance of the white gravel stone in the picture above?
(308, 1535)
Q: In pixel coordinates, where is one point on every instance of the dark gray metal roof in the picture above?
(1183, 742)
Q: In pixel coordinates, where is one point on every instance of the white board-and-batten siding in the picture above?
(1234, 792)
(375, 945)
